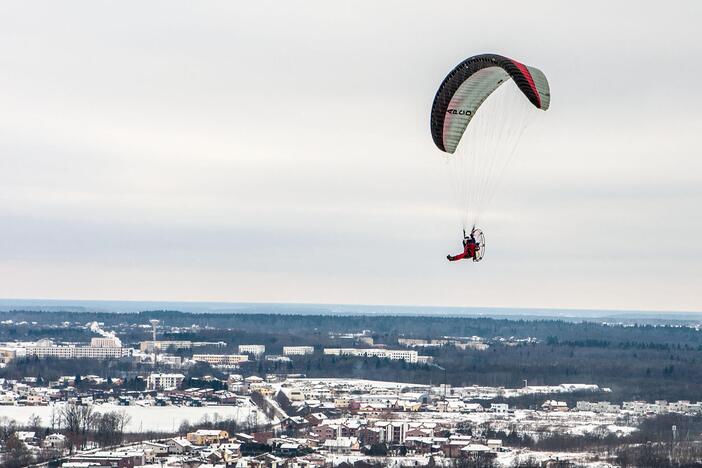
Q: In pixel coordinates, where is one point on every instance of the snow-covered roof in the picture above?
(476, 448)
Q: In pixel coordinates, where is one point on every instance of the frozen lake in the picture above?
(144, 418)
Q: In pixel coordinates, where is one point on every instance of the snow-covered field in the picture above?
(144, 418)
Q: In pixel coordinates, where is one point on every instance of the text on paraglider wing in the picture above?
(459, 111)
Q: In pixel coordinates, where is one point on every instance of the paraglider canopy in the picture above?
(468, 85)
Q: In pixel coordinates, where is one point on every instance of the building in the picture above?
(394, 354)
(7, 355)
(47, 348)
(164, 381)
(101, 350)
(112, 459)
(179, 445)
(597, 407)
(476, 345)
(167, 359)
(221, 359)
(253, 349)
(412, 342)
(105, 342)
(156, 448)
(90, 352)
(55, 441)
(499, 408)
(207, 436)
(163, 345)
(150, 346)
(297, 350)
(276, 358)
(554, 405)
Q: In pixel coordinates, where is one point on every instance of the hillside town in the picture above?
(324, 422)
(182, 401)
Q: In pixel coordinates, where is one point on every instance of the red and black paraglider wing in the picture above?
(469, 84)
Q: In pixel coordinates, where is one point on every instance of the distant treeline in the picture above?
(384, 326)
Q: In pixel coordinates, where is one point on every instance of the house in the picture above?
(243, 438)
(424, 445)
(341, 445)
(315, 419)
(191, 463)
(36, 400)
(472, 408)
(267, 460)
(212, 456)
(326, 431)
(156, 448)
(370, 435)
(230, 451)
(288, 449)
(26, 436)
(418, 432)
(477, 450)
(55, 441)
(207, 436)
(294, 424)
(262, 437)
(499, 408)
(495, 444)
(108, 458)
(553, 405)
(179, 445)
(452, 447)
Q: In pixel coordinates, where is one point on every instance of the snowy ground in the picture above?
(504, 459)
(144, 418)
(352, 382)
(533, 422)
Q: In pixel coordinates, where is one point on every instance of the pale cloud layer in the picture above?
(280, 151)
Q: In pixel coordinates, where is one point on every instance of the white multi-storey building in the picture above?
(164, 381)
(105, 342)
(162, 345)
(253, 349)
(394, 354)
(100, 353)
(297, 350)
(47, 348)
(597, 406)
(221, 359)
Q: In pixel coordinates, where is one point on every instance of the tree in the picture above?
(7, 427)
(107, 429)
(123, 420)
(16, 453)
(34, 423)
(377, 450)
(78, 420)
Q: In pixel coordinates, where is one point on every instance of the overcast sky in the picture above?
(280, 151)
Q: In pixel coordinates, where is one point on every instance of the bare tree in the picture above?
(123, 420)
(16, 453)
(77, 420)
(34, 423)
(54, 418)
(8, 427)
